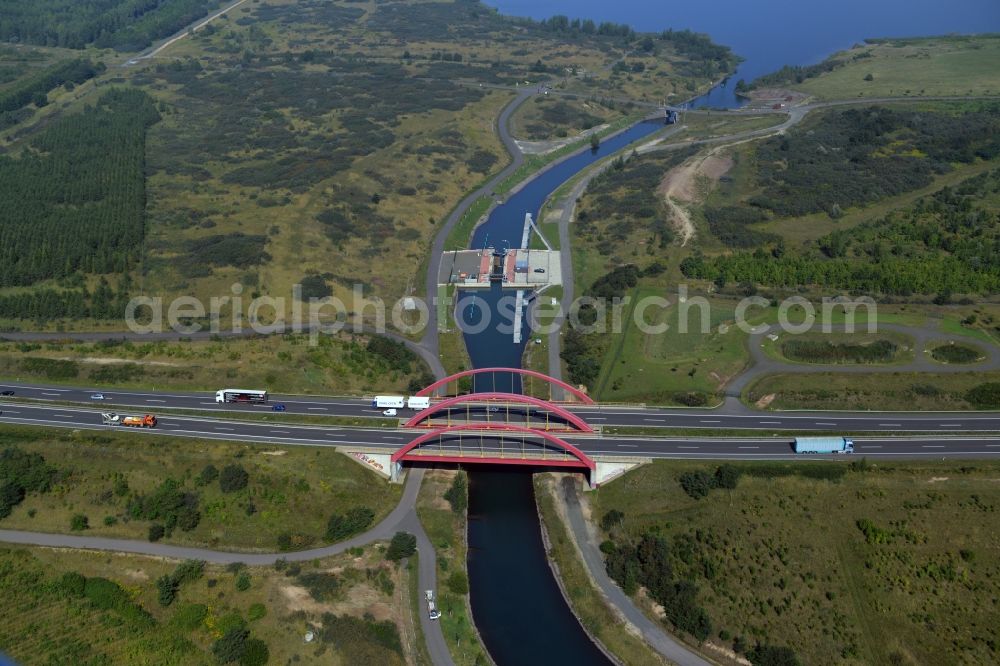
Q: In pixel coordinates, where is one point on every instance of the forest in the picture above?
(35, 89)
(947, 242)
(75, 199)
(124, 25)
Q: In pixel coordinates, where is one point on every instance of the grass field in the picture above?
(41, 624)
(545, 117)
(902, 391)
(292, 491)
(337, 365)
(952, 65)
(447, 531)
(872, 564)
(656, 366)
(596, 615)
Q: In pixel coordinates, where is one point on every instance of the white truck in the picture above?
(432, 611)
(418, 403)
(389, 402)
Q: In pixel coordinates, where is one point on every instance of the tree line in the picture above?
(35, 89)
(124, 25)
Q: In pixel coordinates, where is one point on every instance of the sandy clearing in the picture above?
(682, 184)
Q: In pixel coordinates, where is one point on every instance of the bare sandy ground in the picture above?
(689, 183)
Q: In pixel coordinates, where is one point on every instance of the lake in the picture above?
(769, 34)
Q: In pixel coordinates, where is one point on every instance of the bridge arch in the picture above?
(575, 392)
(558, 410)
(580, 460)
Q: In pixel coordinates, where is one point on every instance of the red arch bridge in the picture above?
(551, 383)
(498, 428)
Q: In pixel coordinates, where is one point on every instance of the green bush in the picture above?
(79, 522)
(697, 484)
(770, 655)
(231, 647)
(166, 587)
(233, 478)
(189, 616)
(243, 581)
(458, 582)
(208, 474)
(256, 612)
(403, 545)
(322, 585)
(342, 526)
(50, 368)
(955, 354)
(458, 495)
(156, 532)
(986, 396)
(72, 584)
(611, 519)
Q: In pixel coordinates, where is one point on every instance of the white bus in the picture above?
(240, 395)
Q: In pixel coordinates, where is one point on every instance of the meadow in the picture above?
(887, 563)
(125, 485)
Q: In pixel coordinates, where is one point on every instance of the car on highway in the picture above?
(389, 412)
(493, 410)
(539, 270)
(6, 393)
(278, 407)
(97, 396)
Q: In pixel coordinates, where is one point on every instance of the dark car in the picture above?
(277, 407)
(6, 393)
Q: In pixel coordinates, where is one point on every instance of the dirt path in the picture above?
(687, 183)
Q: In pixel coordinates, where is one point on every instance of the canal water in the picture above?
(516, 603)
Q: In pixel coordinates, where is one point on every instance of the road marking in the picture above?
(64, 416)
(317, 409)
(655, 420)
(44, 393)
(628, 446)
(770, 422)
(10, 411)
(151, 400)
(933, 446)
(280, 432)
(749, 447)
(891, 424)
(688, 447)
(873, 446)
(709, 421)
(950, 425)
(208, 403)
(825, 423)
(993, 445)
(596, 418)
(221, 428)
(334, 434)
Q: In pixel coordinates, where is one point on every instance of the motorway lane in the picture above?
(725, 418)
(612, 445)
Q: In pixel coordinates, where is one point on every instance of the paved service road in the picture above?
(652, 632)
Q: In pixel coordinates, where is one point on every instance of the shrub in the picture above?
(727, 476)
(403, 545)
(255, 653)
(231, 647)
(322, 586)
(243, 581)
(156, 532)
(256, 612)
(189, 571)
(613, 518)
(341, 526)
(985, 395)
(770, 655)
(110, 521)
(458, 495)
(233, 478)
(72, 584)
(208, 474)
(166, 587)
(697, 484)
(955, 354)
(458, 582)
(189, 616)
(79, 522)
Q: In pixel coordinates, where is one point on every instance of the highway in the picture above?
(275, 433)
(732, 416)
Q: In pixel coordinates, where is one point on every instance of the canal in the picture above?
(516, 602)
